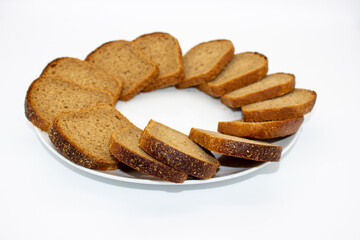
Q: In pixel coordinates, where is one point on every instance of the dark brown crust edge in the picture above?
(31, 114)
(175, 158)
(256, 152)
(279, 113)
(271, 92)
(144, 165)
(236, 83)
(206, 77)
(261, 130)
(72, 153)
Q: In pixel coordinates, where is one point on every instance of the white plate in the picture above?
(140, 109)
(230, 168)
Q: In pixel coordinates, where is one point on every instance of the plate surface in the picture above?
(181, 110)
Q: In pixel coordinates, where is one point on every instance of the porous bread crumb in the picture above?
(164, 50)
(204, 61)
(123, 59)
(89, 132)
(242, 70)
(124, 145)
(84, 74)
(273, 85)
(49, 95)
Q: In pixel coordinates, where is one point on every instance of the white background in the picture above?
(313, 193)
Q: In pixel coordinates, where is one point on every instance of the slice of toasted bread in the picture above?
(83, 136)
(236, 146)
(273, 85)
(83, 74)
(47, 96)
(164, 50)
(176, 150)
(242, 70)
(124, 145)
(125, 60)
(261, 130)
(292, 105)
(204, 62)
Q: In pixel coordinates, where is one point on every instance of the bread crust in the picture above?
(142, 83)
(32, 115)
(175, 158)
(261, 130)
(168, 79)
(206, 77)
(115, 92)
(74, 154)
(241, 148)
(271, 92)
(280, 113)
(237, 82)
(145, 165)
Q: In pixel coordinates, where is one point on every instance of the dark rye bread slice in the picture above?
(124, 145)
(292, 105)
(47, 96)
(203, 62)
(83, 74)
(273, 85)
(236, 146)
(164, 50)
(125, 60)
(83, 136)
(176, 150)
(242, 70)
(261, 130)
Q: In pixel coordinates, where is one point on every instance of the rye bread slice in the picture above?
(124, 145)
(47, 96)
(176, 150)
(242, 70)
(125, 60)
(203, 62)
(292, 105)
(83, 136)
(236, 146)
(273, 85)
(164, 50)
(83, 74)
(261, 130)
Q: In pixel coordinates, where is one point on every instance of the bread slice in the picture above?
(164, 50)
(124, 60)
(47, 96)
(83, 136)
(261, 130)
(176, 150)
(273, 85)
(203, 62)
(124, 145)
(292, 105)
(83, 74)
(235, 146)
(242, 70)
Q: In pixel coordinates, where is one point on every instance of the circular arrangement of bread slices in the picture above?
(74, 101)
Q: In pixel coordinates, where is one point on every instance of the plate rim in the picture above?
(105, 175)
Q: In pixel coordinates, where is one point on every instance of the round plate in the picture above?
(230, 167)
(181, 110)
